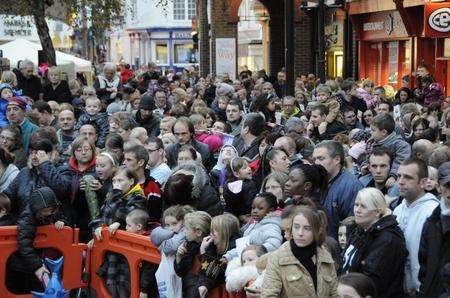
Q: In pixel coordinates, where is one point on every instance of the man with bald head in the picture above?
(287, 144)
(66, 132)
(90, 132)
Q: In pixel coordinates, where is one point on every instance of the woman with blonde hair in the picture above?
(376, 246)
(9, 77)
(58, 89)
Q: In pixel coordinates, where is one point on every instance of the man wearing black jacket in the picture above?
(29, 83)
(434, 251)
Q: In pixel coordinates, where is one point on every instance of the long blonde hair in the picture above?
(374, 199)
(226, 226)
(198, 220)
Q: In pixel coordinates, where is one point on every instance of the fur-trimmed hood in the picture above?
(238, 276)
(200, 180)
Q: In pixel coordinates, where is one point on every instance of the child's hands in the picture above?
(41, 271)
(113, 228)
(205, 243)
(202, 291)
(180, 252)
(59, 225)
(143, 295)
(98, 233)
(96, 185)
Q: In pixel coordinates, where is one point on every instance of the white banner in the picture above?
(226, 56)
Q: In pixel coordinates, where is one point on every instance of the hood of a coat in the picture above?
(427, 197)
(42, 198)
(74, 165)
(200, 177)
(271, 219)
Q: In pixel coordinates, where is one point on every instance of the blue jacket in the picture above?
(28, 128)
(367, 181)
(339, 199)
(3, 120)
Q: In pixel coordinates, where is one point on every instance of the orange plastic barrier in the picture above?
(66, 241)
(135, 248)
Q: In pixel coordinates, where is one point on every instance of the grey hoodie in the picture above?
(8, 176)
(410, 218)
(400, 149)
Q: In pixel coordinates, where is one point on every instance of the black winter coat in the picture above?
(187, 271)
(101, 121)
(31, 87)
(66, 180)
(117, 207)
(240, 203)
(434, 253)
(380, 253)
(151, 125)
(27, 258)
(60, 94)
(21, 187)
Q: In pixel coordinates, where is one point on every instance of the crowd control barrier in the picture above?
(65, 241)
(135, 248)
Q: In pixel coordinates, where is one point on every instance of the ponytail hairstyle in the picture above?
(199, 221)
(315, 174)
(226, 226)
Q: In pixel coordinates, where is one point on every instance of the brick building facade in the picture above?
(224, 21)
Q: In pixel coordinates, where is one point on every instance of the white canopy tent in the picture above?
(21, 49)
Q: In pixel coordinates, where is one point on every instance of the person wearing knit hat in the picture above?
(6, 93)
(15, 113)
(144, 115)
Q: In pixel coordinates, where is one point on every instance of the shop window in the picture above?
(183, 53)
(191, 9)
(447, 47)
(161, 54)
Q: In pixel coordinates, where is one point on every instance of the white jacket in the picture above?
(411, 219)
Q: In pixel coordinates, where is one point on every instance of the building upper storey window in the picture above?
(183, 9)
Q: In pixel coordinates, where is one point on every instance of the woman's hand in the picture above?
(113, 228)
(205, 243)
(252, 292)
(202, 291)
(82, 184)
(143, 295)
(42, 156)
(59, 225)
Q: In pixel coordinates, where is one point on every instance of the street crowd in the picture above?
(342, 190)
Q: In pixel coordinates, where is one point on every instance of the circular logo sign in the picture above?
(439, 20)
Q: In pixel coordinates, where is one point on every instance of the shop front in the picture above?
(437, 27)
(392, 42)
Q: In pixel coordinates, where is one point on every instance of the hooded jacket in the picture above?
(379, 253)
(434, 253)
(411, 218)
(151, 125)
(27, 259)
(197, 192)
(8, 176)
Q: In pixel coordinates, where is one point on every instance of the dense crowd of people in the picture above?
(342, 190)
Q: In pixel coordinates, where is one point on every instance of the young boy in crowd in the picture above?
(26, 269)
(5, 207)
(137, 223)
(214, 141)
(383, 134)
(324, 97)
(92, 115)
(221, 107)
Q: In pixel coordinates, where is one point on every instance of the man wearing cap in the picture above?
(15, 113)
(144, 116)
(434, 250)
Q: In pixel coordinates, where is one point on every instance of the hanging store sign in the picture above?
(383, 25)
(226, 56)
(437, 19)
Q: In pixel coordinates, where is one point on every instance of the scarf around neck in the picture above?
(305, 255)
